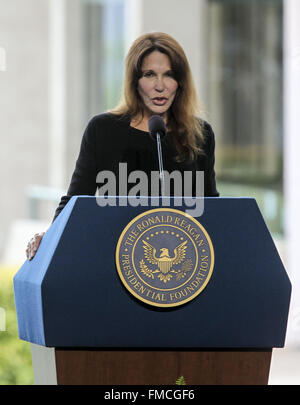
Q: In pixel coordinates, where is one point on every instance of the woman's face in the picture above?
(157, 86)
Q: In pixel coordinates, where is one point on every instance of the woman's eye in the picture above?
(170, 74)
(148, 74)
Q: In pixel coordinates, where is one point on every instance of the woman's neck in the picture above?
(142, 123)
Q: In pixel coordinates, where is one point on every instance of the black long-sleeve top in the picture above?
(109, 140)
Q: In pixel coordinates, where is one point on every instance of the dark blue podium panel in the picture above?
(70, 294)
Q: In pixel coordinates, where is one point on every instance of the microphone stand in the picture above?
(160, 163)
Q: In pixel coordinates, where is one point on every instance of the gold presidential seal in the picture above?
(164, 257)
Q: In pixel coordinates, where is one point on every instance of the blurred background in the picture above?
(61, 62)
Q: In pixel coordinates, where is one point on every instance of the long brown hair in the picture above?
(183, 116)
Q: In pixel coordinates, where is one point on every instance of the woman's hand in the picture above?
(33, 245)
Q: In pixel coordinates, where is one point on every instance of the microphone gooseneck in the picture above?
(157, 130)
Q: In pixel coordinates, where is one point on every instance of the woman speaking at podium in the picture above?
(158, 81)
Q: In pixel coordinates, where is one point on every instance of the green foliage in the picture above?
(15, 354)
(180, 381)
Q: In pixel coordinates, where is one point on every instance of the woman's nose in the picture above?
(159, 85)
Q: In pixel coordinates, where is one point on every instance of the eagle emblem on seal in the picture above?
(165, 262)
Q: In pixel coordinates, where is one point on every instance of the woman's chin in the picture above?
(158, 110)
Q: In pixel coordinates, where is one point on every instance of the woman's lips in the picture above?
(159, 100)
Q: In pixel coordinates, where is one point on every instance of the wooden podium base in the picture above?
(160, 367)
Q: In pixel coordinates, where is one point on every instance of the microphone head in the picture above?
(156, 125)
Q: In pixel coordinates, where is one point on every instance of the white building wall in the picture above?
(291, 157)
(41, 113)
(24, 105)
(57, 92)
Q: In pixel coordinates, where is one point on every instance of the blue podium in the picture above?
(71, 298)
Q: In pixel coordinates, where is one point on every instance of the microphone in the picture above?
(157, 130)
(156, 125)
